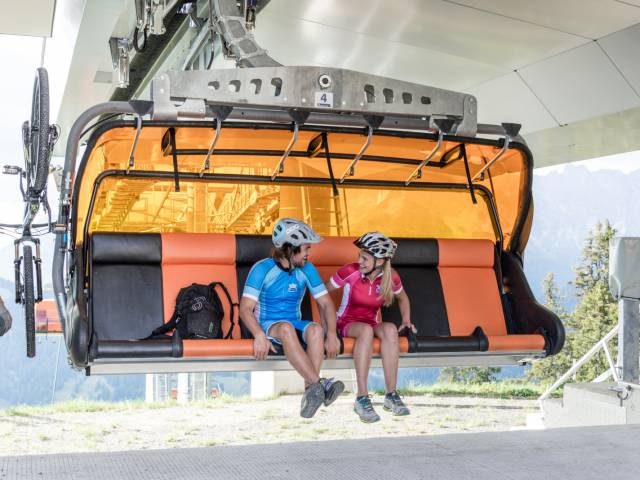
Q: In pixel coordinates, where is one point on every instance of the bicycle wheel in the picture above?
(37, 167)
(28, 302)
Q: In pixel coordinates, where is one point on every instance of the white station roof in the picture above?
(32, 18)
(567, 70)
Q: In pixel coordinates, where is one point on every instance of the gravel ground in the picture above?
(265, 421)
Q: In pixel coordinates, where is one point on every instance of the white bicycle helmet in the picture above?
(295, 232)
(377, 244)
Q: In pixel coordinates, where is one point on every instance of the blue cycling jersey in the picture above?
(279, 293)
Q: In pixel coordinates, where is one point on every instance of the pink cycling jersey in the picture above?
(361, 300)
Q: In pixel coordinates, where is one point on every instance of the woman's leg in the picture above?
(363, 333)
(388, 335)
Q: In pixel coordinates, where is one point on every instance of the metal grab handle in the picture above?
(511, 131)
(205, 165)
(350, 171)
(505, 147)
(135, 142)
(417, 173)
(280, 167)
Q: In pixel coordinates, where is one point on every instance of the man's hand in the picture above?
(261, 347)
(332, 345)
(410, 325)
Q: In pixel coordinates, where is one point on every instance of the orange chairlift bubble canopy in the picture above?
(236, 193)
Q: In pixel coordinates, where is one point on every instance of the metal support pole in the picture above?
(629, 339)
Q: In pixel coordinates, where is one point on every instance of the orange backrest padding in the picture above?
(198, 249)
(207, 258)
(465, 253)
(334, 251)
(472, 299)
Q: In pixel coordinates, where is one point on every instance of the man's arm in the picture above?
(328, 317)
(261, 344)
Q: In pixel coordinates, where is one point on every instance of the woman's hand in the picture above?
(332, 345)
(261, 347)
(410, 325)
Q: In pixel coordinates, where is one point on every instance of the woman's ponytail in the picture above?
(386, 285)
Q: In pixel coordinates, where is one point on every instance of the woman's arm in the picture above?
(405, 311)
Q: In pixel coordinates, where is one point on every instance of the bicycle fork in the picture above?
(17, 267)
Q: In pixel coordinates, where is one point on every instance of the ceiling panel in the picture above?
(508, 99)
(622, 47)
(33, 18)
(295, 42)
(588, 18)
(444, 27)
(596, 137)
(580, 84)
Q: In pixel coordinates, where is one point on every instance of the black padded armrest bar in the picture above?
(477, 342)
(139, 348)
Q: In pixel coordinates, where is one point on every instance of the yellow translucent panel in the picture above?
(141, 205)
(128, 203)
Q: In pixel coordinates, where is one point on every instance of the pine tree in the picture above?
(594, 316)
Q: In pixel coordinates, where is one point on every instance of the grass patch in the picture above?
(87, 406)
(505, 390)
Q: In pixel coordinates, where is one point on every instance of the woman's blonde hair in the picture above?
(386, 285)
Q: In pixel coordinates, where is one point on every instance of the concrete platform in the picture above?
(570, 453)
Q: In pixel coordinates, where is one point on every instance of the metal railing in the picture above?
(602, 344)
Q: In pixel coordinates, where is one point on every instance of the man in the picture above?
(5, 319)
(270, 308)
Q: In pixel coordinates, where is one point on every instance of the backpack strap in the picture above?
(231, 307)
(167, 327)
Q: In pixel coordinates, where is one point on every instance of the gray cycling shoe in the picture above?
(332, 390)
(394, 404)
(365, 411)
(312, 398)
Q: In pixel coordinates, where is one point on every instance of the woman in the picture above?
(368, 285)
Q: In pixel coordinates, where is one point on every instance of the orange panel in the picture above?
(217, 348)
(175, 277)
(333, 251)
(349, 343)
(472, 299)
(465, 253)
(198, 248)
(516, 342)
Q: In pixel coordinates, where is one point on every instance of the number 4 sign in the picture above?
(324, 99)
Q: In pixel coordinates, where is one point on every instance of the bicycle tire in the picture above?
(29, 303)
(39, 154)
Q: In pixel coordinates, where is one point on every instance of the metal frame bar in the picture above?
(505, 147)
(205, 165)
(135, 141)
(350, 171)
(417, 173)
(280, 167)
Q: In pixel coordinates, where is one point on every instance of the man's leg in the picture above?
(286, 334)
(363, 333)
(314, 338)
(388, 335)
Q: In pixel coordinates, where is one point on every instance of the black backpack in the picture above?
(199, 313)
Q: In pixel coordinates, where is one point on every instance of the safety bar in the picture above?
(417, 173)
(280, 167)
(205, 165)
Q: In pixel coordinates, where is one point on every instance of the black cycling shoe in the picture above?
(332, 390)
(312, 398)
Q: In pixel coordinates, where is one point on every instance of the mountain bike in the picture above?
(38, 138)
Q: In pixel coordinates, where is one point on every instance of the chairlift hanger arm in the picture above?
(280, 167)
